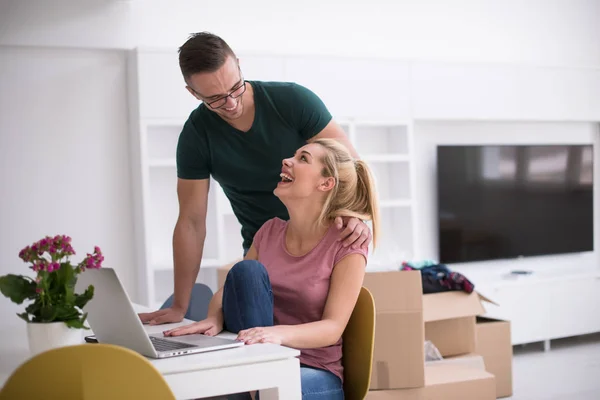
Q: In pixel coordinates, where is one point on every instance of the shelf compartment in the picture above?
(233, 238)
(386, 158)
(162, 140)
(162, 214)
(162, 162)
(395, 244)
(392, 180)
(381, 139)
(395, 203)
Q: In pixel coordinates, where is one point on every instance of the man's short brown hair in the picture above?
(203, 52)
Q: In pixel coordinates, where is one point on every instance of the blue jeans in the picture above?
(248, 303)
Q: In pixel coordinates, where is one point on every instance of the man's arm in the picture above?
(188, 245)
(334, 131)
(188, 237)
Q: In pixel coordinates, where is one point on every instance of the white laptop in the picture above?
(114, 321)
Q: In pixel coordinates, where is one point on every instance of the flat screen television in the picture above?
(508, 201)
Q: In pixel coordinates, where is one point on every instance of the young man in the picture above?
(239, 135)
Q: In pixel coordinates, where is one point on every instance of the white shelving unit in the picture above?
(386, 146)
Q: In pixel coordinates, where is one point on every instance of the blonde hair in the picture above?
(354, 193)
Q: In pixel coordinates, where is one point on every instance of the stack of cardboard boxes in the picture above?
(477, 352)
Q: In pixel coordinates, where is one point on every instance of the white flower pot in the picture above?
(46, 336)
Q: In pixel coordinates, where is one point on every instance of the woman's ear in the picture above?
(327, 184)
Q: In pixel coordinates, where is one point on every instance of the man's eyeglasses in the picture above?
(234, 94)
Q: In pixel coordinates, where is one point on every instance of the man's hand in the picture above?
(355, 233)
(210, 326)
(164, 316)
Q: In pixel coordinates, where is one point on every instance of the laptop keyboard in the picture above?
(167, 345)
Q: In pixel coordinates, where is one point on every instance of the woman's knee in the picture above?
(247, 271)
(247, 297)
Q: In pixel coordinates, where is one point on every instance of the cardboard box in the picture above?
(494, 344)
(222, 273)
(399, 355)
(445, 382)
(450, 321)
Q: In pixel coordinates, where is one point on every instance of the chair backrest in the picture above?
(199, 300)
(87, 372)
(358, 342)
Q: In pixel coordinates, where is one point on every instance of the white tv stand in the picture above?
(560, 298)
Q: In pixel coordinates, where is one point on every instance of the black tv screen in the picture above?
(500, 202)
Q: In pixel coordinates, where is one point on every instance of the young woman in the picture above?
(298, 285)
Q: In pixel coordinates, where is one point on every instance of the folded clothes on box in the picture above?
(438, 278)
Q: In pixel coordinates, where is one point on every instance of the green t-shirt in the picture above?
(247, 164)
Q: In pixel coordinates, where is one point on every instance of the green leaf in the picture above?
(65, 275)
(48, 313)
(77, 323)
(24, 316)
(82, 299)
(69, 296)
(34, 308)
(17, 288)
(66, 312)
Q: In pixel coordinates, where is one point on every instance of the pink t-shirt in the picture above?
(301, 284)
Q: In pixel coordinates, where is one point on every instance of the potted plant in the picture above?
(55, 317)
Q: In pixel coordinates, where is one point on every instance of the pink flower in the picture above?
(93, 260)
(53, 267)
(41, 265)
(58, 247)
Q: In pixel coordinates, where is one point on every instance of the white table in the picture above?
(272, 369)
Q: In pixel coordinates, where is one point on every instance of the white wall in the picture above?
(67, 23)
(558, 32)
(64, 156)
(531, 31)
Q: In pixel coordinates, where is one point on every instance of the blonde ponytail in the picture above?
(366, 190)
(354, 194)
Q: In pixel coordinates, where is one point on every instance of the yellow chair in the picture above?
(87, 372)
(358, 342)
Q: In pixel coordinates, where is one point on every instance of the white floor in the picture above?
(569, 371)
